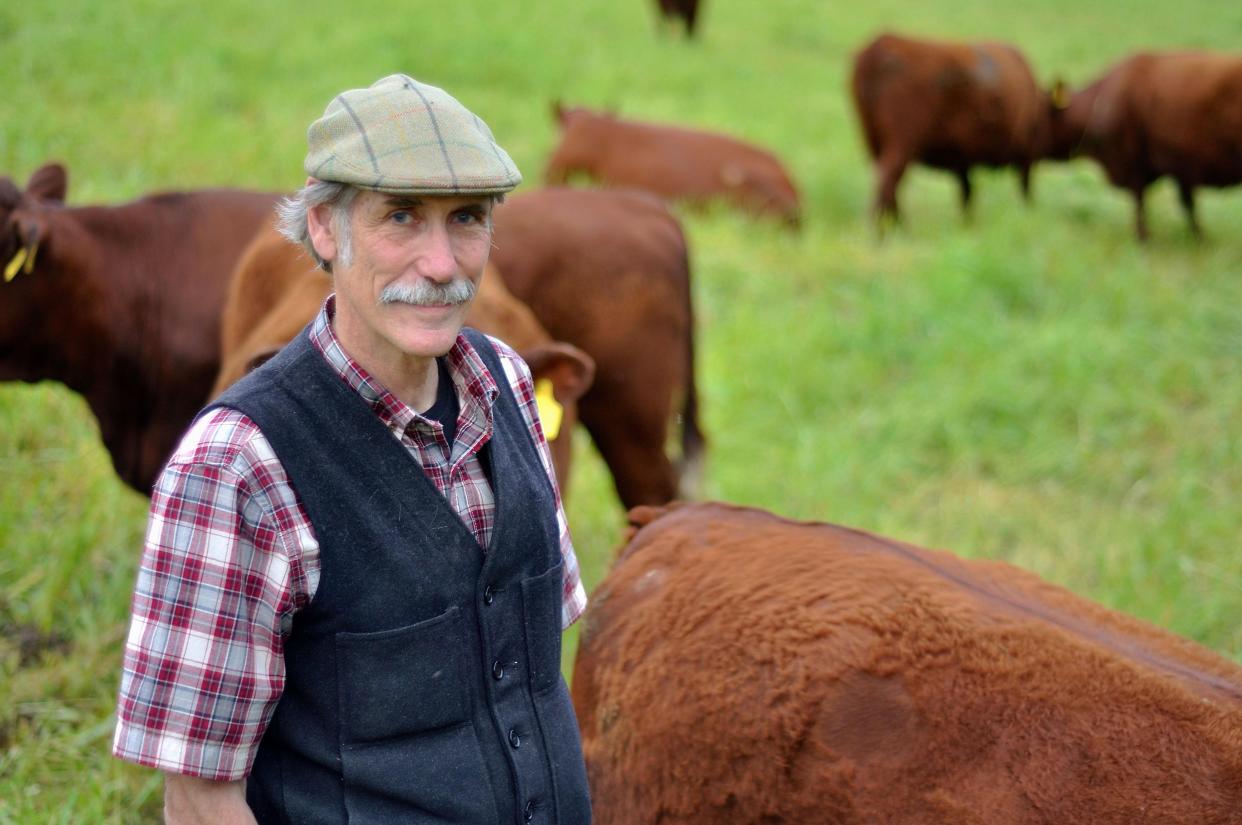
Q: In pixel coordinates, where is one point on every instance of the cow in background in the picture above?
(686, 10)
(609, 271)
(950, 106)
(736, 667)
(277, 289)
(1152, 115)
(121, 304)
(670, 161)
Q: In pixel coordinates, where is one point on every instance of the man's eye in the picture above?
(401, 217)
(469, 217)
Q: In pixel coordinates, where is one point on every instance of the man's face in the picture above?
(415, 265)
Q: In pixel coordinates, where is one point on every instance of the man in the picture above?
(357, 566)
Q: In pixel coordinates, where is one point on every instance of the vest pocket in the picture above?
(541, 604)
(403, 681)
(409, 752)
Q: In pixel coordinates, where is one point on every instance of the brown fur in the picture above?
(672, 162)
(950, 106)
(277, 289)
(1152, 115)
(736, 667)
(608, 271)
(123, 305)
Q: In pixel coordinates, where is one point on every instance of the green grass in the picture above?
(1032, 386)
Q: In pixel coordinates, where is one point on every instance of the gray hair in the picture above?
(291, 217)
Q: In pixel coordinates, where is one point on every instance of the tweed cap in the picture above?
(405, 137)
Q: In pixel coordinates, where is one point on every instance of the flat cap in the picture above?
(405, 137)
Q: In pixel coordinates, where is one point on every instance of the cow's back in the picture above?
(948, 104)
(738, 667)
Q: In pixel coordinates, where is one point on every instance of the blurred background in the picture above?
(1032, 385)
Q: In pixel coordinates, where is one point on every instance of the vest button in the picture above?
(528, 813)
(498, 670)
(514, 739)
(489, 595)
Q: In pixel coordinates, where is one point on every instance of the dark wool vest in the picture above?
(423, 680)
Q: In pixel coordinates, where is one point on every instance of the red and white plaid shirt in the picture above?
(230, 557)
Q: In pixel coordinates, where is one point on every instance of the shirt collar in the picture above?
(476, 387)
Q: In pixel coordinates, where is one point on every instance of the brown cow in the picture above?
(672, 162)
(736, 667)
(686, 10)
(608, 271)
(949, 106)
(1152, 115)
(121, 303)
(277, 289)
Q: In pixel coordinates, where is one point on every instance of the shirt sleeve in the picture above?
(573, 596)
(217, 584)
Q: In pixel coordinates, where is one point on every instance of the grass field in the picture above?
(1032, 386)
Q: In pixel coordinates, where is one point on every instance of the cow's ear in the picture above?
(558, 112)
(49, 183)
(569, 369)
(25, 238)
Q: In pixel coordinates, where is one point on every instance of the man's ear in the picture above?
(49, 182)
(319, 226)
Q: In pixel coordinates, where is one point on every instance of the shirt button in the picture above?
(515, 740)
(498, 670)
(489, 595)
(528, 813)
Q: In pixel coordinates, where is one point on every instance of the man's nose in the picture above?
(438, 261)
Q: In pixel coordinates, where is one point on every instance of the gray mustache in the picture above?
(427, 293)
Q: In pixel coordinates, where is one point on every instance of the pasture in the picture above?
(1032, 386)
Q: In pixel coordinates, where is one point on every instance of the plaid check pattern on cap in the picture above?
(404, 137)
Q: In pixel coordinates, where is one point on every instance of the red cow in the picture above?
(736, 667)
(121, 304)
(277, 289)
(1153, 115)
(672, 162)
(608, 271)
(950, 106)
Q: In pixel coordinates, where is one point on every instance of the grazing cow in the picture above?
(672, 162)
(121, 303)
(277, 289)
(1153, 115)
(686, 10)
(736, 667)
(950, 106)
(608, 271)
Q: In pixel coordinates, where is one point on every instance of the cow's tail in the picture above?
(690, 467)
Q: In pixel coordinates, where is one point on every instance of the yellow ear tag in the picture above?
(29, 267)
(10, 271)
(550, 410)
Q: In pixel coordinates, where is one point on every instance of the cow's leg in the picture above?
(1140, 212)
(888, 171)
(630, 437)
(1186, 193)
(963, 182)
(1024, 181)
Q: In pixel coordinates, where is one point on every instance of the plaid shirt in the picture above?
(231, 556)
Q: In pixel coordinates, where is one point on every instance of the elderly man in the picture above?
(357, 567)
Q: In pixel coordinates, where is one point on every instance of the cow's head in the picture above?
(23, 222)
(567, 372)
(1067, 122)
